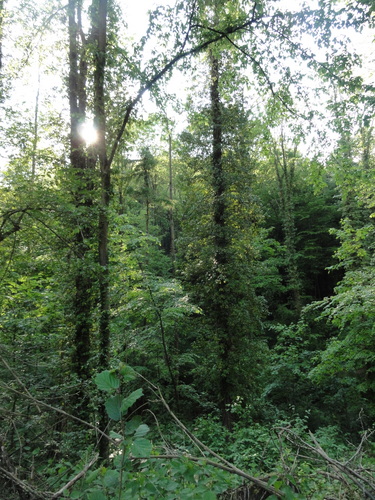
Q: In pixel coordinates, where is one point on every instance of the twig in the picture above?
(5, 363)
(353, 475)
(359, 480)
(58, 410)
(36, 495)
(365, 438)
(167, 357)
(13, 251)
(182, 54)
(166, 444)
(228, 466)
(76, 478)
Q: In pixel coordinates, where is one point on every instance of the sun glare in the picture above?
(88, 133)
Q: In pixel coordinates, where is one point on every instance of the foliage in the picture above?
(287, 453)
(134, 470)
(231, 264)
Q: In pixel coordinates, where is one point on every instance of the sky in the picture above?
(136, 14)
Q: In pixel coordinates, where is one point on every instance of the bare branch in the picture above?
(201, 446)
(16, 224)
(158, 75)
(25, 487)
(37, 402)
(364, 485)
(76, 478)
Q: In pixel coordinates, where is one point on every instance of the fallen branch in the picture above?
(225, 465)
(24, 486)
(68, 485)
(343, 471)
(357, 478)
(38, 403)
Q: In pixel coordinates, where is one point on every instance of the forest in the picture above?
(187, 246)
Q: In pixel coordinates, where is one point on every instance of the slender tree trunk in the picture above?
(100, 30)
(222, 245)
(35, 139)
(1, 33)
(285, 177)
(171, 217)
(147, 186)
(367, 139)
(78, 159)
(100, 38)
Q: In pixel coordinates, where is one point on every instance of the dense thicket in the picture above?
(202, 274)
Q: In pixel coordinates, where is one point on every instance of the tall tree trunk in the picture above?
(1, 33)
(171, 217)
(81, 165)
(100, 31)
(147, 165)
(285, 167)
(35, 138)
(83, 161)
(222, 244)
(367, 140)
(100, 38)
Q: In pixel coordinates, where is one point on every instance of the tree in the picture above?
(219, 230)
(82, 164)
(1, 32)
(349, 354)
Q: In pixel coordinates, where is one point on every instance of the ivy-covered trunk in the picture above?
(172, 248)
(100, 31)
(285, 174)
(91, 210)
(220, 310)
(82, 166)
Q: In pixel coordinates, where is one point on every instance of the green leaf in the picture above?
(150, 488)
(171, 486)
(289, 493)
(130, 400)
(113, 407)
(115, 435)
(107, 381)
(111, 478)
(75, 494)
(141, 447)
(92, 476)
(96, 495)
(132, 425)
(208, 495)
(141, 431)
(127, 373)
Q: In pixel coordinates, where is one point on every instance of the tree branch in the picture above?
(76, 478)
(201, 446)
(16, 224)
(25, 487)
(158, 75)
(38, 403)
(364, 485)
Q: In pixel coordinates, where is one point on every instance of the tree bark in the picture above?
(1, 33)
(82, 164)
(35, 138)
(285, 168)
(100, 40)
(100, 37)
(172, 249)
(221, 244)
